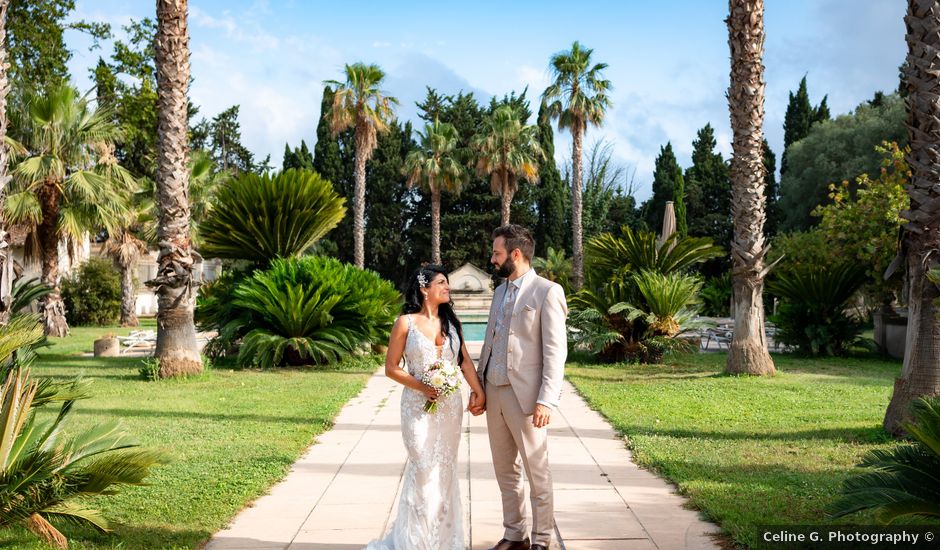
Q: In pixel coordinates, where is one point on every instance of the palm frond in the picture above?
(903, 481)
(260, 218)
(311, 309)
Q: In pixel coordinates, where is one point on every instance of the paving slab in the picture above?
(344, 491)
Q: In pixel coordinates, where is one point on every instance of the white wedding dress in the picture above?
(430, 515)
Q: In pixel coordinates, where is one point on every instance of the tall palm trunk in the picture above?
(175, 285)
(128, 294)
(577, 261)
(359, 205)
(52, 306)
(505, 199)
(6, 259)
(748, 353)
(435, 224)
(920, 374)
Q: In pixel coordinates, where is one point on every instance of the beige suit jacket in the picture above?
(538, 342)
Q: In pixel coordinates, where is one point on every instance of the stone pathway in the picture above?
(343, 492)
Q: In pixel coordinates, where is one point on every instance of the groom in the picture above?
(522, 365)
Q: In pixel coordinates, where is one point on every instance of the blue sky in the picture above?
(668, 60)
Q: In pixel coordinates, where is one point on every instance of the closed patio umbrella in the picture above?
(669, 222)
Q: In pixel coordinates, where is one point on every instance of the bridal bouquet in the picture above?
(444, 377)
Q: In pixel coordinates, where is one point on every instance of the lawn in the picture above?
(747, 451)
(231, 435)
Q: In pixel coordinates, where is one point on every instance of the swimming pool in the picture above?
(473, 331)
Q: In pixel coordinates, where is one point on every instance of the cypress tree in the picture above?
(708, 190)
(771, 191)
(664, 183)
(682, 225)
(800, 116)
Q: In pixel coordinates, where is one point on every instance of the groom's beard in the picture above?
(506, 268)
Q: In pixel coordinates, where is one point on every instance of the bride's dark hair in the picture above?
(414, 301)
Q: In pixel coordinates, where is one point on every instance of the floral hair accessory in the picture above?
(422, 280)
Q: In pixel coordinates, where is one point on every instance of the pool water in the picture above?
(474, 332)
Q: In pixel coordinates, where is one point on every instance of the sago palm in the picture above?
(57, 191)
(576, 97)
(507, 150)
(612, 255)
(312, 310)
(435, 165)
(360, 104)
(554, 266)
(260, 218)
(901, 481)
(46, 470)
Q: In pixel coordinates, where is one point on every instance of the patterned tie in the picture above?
(509, 305)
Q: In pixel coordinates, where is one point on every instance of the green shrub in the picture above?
(216, 312)
(811, 316)
(554, 267)
(799, 250)
(312, 310)
(639, 320)
(901, 481)
(93, 295)
(637, 297)
(260, 218)
(716, 296)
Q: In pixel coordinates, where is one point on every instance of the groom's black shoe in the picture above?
(538, 547)
(506, 544)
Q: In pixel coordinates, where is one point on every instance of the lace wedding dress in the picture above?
(430, 515)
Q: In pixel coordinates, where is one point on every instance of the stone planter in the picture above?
(891, 332)
(107, 347)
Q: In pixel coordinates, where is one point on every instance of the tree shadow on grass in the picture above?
(869, 435)
(194, 415)
(122, 536)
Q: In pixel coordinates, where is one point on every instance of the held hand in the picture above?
(477, 404)
(429, 392)
(541, 416)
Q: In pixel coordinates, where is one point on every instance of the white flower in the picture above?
(438, 380)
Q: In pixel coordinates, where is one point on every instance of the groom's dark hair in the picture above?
(517, 236)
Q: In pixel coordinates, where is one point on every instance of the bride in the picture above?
(429, 510)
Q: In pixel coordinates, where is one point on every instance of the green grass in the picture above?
(747, 451)
(231, 435)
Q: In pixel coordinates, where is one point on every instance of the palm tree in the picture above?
(125, 246)
(176, 348)
(920, 375)
(359, 103)
(748, 353)
(54, 192)
(6, 261)
(506, 151)
(436, 167)
(577, 97)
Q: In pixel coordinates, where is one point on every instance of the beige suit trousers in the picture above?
(516, 445)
